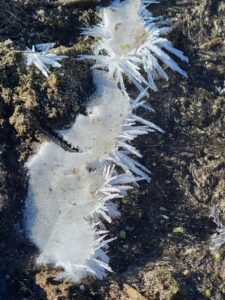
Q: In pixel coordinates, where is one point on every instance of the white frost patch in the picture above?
(70, 193)
(62, 194)
(97, 133)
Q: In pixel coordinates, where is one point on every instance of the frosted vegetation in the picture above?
(71, 193)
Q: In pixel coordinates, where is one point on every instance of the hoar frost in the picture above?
(70, 193)
(43, 58)
(131, 39)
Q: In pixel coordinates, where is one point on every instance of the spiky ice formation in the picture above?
(63, 194)
(43, 58)
(143, 9)
(131, 39)
(70, 193)
(111, 114)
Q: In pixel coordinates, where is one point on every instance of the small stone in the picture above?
(125, 201)
(186, 272)
(162, 208)
(178, 230)
(132, 293)
(123, 234)
(217, 256)
(208, 293)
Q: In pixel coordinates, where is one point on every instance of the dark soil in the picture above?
(165, 231)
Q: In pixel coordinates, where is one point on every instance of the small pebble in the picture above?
(217, 256)
(162, 208)
(123, 234)
(178, 230)
(124, 201)
(208, 293)
(126, 246)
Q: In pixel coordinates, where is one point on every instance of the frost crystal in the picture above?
(43, 58)
(131, 39)
(218, 239)
(70, 193)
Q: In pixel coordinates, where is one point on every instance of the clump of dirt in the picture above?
(54, 289)
(165, 230)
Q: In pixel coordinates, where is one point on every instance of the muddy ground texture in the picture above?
(166, 234)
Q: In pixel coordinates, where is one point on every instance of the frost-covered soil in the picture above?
(164, 234)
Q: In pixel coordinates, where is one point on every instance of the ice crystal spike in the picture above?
(43, 58)
(132, 40)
